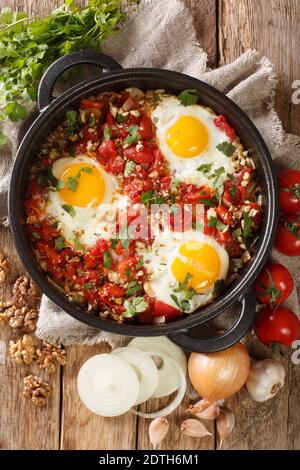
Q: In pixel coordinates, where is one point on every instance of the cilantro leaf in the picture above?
(133, 288)
(134, 306)
(227, 148)
(153, 197)
(120, 118)
(247, 225)
(60, 243)
(71, 118)
(69, 209)
(107, 259)
(184, 283)
(106, 133)
(133, 135)
(188, 97)
(205, 168)
(129, 168)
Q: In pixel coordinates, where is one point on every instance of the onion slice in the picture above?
(177, 400)
(161, 346)
(144, 368)
(108, 385)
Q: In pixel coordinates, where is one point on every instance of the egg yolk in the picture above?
(188, 137)
(83, 184)
(202, 261)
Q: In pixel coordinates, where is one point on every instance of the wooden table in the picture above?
(226, 28)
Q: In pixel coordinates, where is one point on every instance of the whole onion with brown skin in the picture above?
(220, 374)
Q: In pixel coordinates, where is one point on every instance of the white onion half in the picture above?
(169, 377)
(177, 400)
(108, 385)
(144, 368)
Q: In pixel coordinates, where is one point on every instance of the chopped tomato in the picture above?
(136, 187)
(48, 230)
(127, 266)
(161, 309)
(224, 215)
(87, 103)
(223, 125)
(145, 130)
(146, 317)
(110, 290)
(107, 151)
(99, 248)
(144, 155)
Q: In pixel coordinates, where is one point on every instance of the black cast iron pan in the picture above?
(113, 77)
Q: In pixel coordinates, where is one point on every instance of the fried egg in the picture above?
(86, 202)
(188, 138)
(190, 258)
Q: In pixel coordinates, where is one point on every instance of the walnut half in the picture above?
(49, 355)
(37, 390)
(22, 317)
(4, 267)
(23, 351)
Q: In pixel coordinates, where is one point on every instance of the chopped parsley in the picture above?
(120, 118)
(129, 168)
(205, 168)
(227, 148)
(133, 135)
(247, 225)
(69, 209)
(188, 97)
(132, 288)
(107, 133)
(107, 259)
(73, 181)
(153, 197)
(87, 285)
(36, 235)
(183, 285)
(140, 263)
(60, 243)
(134, 306)
(71, 118)
(113, 243)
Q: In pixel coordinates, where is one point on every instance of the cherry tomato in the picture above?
(287, 239)
(289, 190)
(274, 284)
(161, 309)
(277, 325)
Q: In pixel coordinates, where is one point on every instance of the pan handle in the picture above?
(227, 339)
(62, 64)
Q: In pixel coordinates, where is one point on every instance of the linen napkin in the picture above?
(160, 33)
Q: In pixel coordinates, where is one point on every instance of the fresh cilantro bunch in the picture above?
(29, 45)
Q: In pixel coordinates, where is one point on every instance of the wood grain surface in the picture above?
(225, 29)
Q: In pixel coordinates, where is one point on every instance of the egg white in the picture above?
(158, 260)
(165, 115)
(92, 222)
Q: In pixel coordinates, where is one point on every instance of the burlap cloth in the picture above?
(160, 33)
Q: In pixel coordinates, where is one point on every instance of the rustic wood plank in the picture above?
(204, 13)
(22, 425)
(270, 26)
(82, 429)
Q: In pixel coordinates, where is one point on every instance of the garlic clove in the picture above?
(194, 428)
(198, 407)
(265, 379)
(212, 412)
(225, 424)
(158, 430)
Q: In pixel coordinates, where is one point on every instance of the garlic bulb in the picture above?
(158, 430)
(265, 379)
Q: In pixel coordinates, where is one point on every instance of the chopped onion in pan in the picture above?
(144, 368)
(108, 385)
